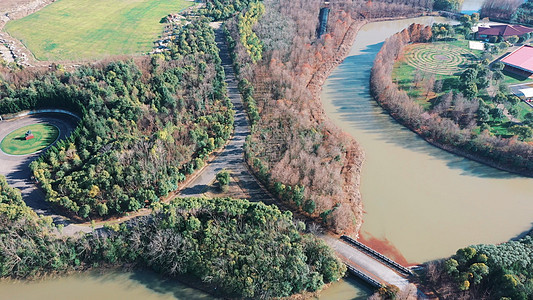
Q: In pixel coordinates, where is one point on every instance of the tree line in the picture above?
(245, 249)
(451, 122)
(303, 159)
(144, 126)
(501, 271)
(516, 11)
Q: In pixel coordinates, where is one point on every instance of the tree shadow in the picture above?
(178, 287)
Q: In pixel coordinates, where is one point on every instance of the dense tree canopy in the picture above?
(224, 9)
(246, 249)
(503, 271)
(144, 125)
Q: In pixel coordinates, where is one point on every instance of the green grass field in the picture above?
(15, 144)
(93, 29)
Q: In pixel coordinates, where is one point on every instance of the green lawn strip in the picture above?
(93, 29)
(511, 78)
(15, 144)
(404, 73)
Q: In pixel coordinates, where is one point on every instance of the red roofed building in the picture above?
(504, 31)
(520, 61)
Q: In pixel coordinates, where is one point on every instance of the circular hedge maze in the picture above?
(441, 58)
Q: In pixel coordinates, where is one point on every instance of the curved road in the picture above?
(16, 167)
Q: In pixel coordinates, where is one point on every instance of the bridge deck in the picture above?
(366, 264)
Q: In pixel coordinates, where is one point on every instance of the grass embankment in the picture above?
(15, 143)
(93, 29)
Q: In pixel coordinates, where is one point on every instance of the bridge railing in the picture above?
(378, 255)
(363, 276)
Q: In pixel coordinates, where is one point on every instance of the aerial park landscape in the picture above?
(368, 141)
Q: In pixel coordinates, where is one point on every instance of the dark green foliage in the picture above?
(246, 249)
(224, 9)
(524, 13)
(223, 179)
(500, 271)
(144, 126)
(442, 31)
(449, 5)
(9, 195)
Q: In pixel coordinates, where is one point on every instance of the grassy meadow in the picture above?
(93, 29)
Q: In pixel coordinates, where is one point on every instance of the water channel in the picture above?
(421, 203)
(425, 202)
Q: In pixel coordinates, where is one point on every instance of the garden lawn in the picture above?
(93, 29)
(15, 144)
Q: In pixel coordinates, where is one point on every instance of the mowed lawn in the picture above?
(15, 143)
(93, 29)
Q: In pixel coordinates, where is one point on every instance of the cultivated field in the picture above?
(93, 29)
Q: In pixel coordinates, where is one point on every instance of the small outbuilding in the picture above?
(526, 94)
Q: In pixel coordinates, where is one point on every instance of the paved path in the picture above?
(17, 171)
(231, 157)
(365, 263)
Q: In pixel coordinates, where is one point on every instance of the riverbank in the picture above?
(504, 154)
(355, 154)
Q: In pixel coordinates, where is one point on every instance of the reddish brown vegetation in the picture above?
(450, 124)
(293, 144)
(385, 247)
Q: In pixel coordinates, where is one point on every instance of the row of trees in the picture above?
(303, 158)
(450, 124)
(501, 271)
(245, 249)
(516, 11)
(224, 9)
(300, 160)
(144, 125)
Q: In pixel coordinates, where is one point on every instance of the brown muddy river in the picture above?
(421, 203)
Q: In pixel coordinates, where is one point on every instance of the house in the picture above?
(503, 31)
(520, 61)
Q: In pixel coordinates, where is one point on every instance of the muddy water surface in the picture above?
(424, 202)
(138, 285)
(421, 202)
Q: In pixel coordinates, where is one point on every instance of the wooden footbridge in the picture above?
(367, 264)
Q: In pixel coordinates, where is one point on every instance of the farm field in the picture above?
(93, 29)
(15, 144)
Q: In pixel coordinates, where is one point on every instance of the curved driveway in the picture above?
(16, 167)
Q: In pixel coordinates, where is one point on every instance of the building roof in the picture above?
(528, 93)
(504, 30)
(521, 58)
(475, 45)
